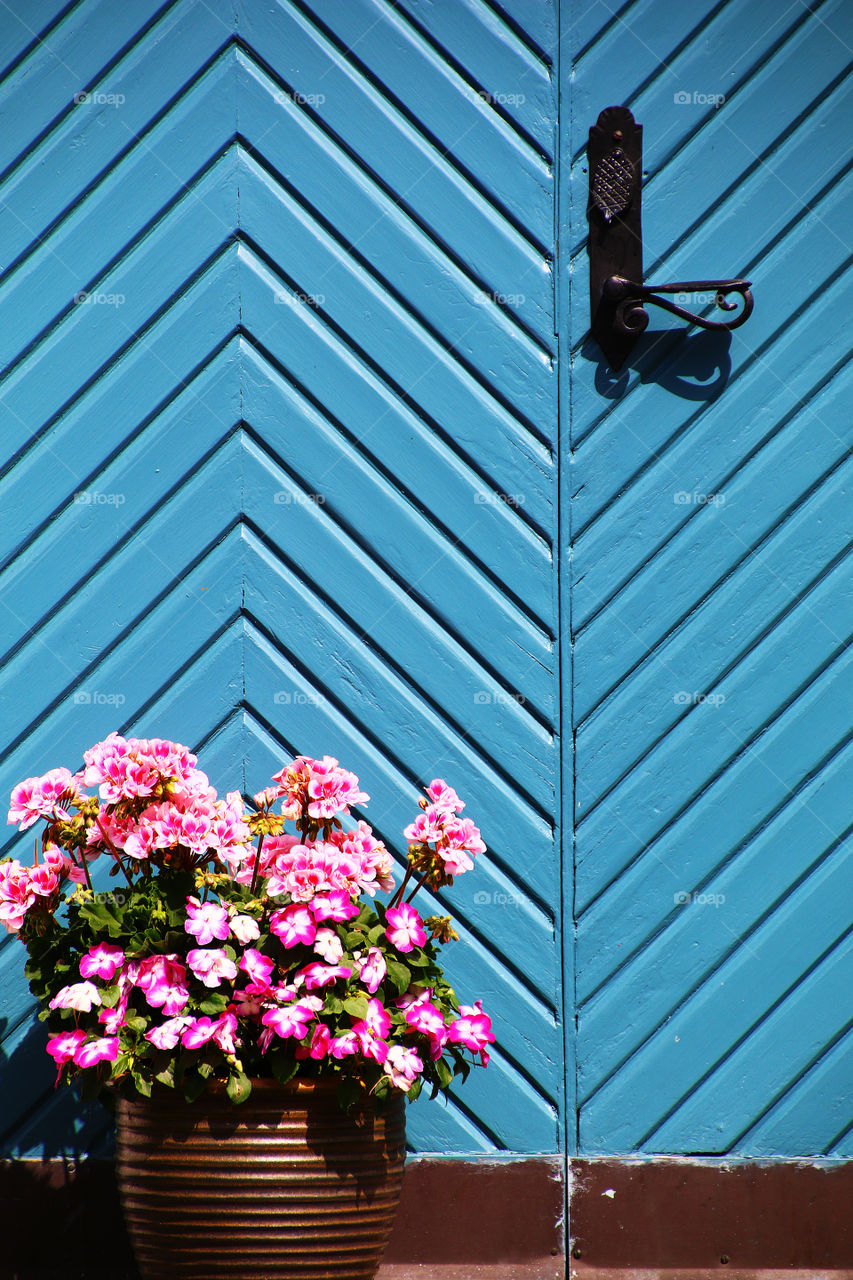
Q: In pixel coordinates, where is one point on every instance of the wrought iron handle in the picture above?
(618, 298)
(630, 316)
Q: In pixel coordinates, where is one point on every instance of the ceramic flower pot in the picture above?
(285, 1186)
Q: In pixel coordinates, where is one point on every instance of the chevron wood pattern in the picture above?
(278, 396)
(712, 601)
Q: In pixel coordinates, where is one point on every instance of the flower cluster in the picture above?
(236, 949)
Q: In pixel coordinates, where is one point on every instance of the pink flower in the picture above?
(93, 1051)
(473, 1028)
(424, 1017)
(210, 966)
(321, 975)
(403, 1066)
(44, 880)
(344, 1045)
(334, 906)
(39, 797)
(294, 924)
(80, 996)
(113, 1019)
(289, 1021)
(63, 1047)
(372, 1030)
(319, 1047)
(427, 826)
(197, 1032)
(372, 969)
(259, 967)
(206, 921)
(102, 961)
(16, 894)
(167, 1035)
(444, 797)
(404, 928)
(332, 790)
(328, 945)
(163, 980)
(245, 929)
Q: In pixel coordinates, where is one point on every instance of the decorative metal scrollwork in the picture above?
(618, 296)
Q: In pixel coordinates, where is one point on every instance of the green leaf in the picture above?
(194, 1086)
(350, 1091)
(333, 1004)
(399, 975)
(283, 1068)
(375, 933)
(415, 1090)
(445, 1075)
(238, 1087)
(213, 1004)
(142, 1083)
(109, 996)
(356, 1006)
(205, 1070)
(417, 959)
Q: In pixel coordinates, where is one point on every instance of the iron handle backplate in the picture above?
(618, 296)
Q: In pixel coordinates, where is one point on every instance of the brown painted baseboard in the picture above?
(458, 1220)
(690, 1219)
(501, 1220)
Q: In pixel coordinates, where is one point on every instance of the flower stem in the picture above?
(420, 883)
(113, 850)
(257, 869)
(398, 896)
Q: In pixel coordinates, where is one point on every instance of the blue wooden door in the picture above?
(278, 395)
(712, 600)
(306, 449)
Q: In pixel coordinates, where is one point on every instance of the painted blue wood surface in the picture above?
(285, 480)
(712, 601)
(323, 362)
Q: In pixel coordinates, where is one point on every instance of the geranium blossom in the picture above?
(293, 924)
(372, 969)
(259, 967)
(210, 965)
(404, 928)
(163, 980)
(80, 996)
(102, 961)
(328, 945)
(94, 1051)
(245, 929)
(403, 1066)
(206, 921)
(334, 906)
(16, 894)
(63, 1047)
(321, 975)
(473, 1028)
(167, 1035)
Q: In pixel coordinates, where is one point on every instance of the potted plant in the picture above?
(244, 998)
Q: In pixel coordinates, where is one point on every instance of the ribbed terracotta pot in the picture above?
(285, 1186)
